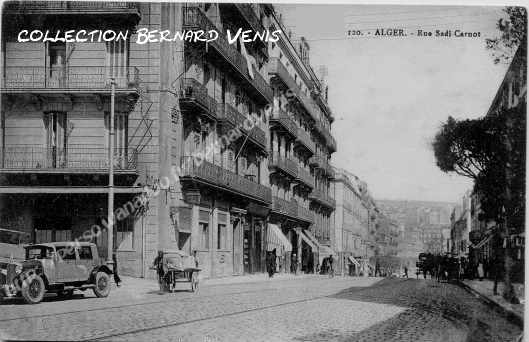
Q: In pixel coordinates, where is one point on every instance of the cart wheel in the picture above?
(194, 282)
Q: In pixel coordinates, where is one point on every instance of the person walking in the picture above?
(117, 279)
(158, 266)
(406, 271)
(481, 273)
(331, 269)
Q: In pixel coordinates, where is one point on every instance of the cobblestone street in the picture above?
(310, 309)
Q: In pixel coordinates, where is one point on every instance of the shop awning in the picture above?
(309, 242)
(276, 239)
(352, 260)
(482, 242)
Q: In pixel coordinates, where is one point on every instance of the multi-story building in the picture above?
(511, 96)
(300, 148)
(461, 223)
(191, 126)
(353, 236)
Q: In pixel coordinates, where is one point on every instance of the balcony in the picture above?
(322, 198)
(85, 79)
(195, 96)
(277, 69)
(303, 139)
(248, 13)
(228, 114)
(74, 7)
(284, 207)
(73, 159)
(218, 177)
(195, 19)
(282, 163)
(305, 214)
(284, 121)
(318, 161)
(305, 177)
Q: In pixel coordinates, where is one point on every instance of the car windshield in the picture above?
(39, 252)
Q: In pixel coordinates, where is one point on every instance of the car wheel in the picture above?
(33, 289)
(102, 284)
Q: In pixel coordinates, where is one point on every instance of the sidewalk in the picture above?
(484, 289)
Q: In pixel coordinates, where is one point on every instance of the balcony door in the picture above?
(121, 123)
(117, 62)
(57, 65)
(56, 139)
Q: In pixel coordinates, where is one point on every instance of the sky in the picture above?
(389, 95)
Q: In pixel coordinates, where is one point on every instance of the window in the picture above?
(117, 61)
(85, 253)
(204, 235)
(66, 252)
(121, 124)
(56, 138)
(57, 66)
(221, 236)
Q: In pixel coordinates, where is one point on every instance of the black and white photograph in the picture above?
(262, 171)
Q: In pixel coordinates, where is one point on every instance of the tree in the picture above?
(491, 151)
(513, 31)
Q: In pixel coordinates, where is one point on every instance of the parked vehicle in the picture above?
(58, 267)
(11, 253)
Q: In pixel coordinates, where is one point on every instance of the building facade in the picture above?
(355, 223)
(203, 139)
(300, 149)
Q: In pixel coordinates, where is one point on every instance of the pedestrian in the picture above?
(294, 263)
(406, 271)
(271, 263)
(158, 266)
(331, 269)
(117, 279)
(481, 274)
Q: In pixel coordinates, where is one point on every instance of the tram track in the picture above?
(203, 319)
(175, 298)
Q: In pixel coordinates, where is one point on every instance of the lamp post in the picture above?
(110, 210)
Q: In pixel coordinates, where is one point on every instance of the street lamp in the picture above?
(110, 210)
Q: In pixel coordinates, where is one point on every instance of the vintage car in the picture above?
(12, 244)
(59, 267)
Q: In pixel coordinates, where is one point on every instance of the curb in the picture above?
(509, 314)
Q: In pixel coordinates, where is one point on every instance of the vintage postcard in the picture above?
(233, 171)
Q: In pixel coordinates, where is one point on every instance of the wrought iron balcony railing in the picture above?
(305, 177)
(193, 92)
(250, 16)
(281, 117)
(217, 176)
(71, 157)
(276, 68)
(304, 139)
(305, 214)
(322, 198)
(229, 114)
(58, 7)
(68, 78)
(275, 160)
(284, 207)
(195, 19)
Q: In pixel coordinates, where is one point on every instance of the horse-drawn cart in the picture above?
(173, 267)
